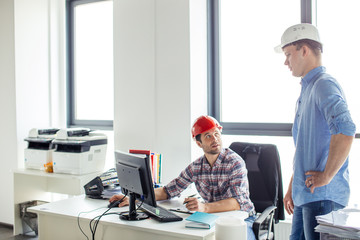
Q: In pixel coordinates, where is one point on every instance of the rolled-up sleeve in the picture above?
(331, 101)
(179, 184)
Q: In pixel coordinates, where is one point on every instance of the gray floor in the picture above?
(6, 233)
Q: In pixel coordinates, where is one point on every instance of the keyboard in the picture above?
(160, 214)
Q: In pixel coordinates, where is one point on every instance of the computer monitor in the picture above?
(135, 178)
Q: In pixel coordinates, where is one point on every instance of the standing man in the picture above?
(220, 176)
(323, 132)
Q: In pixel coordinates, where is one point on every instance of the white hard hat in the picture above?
(298, 32)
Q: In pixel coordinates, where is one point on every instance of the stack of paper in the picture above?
(110, 191)
(344, 223)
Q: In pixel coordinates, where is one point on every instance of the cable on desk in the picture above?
(78, 220)
(97, 219)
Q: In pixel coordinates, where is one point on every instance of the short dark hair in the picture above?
(315, 46)
(198, 137)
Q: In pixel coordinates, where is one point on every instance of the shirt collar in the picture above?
(220, 158)
(218, 161)
(310, 76)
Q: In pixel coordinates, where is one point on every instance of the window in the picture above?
(247, 38)
(246, 102)
(90, 63)
(250, 90)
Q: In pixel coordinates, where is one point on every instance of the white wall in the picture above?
(40, 67)
(198, 64)
(152, 79)
(8, 158)
(32, 68)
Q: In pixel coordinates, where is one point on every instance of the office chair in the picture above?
(265, 185)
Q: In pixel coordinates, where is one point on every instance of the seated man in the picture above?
(220, 176)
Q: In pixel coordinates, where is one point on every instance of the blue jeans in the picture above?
(250, 233)
(304, 220)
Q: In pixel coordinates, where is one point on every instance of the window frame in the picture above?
(71, 121)
(307, 15)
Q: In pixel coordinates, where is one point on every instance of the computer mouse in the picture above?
(114, 204)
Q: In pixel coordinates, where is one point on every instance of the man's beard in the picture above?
(215, 151)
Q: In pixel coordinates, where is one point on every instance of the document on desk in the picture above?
(342, 223)
(181, 209)
(180, 206)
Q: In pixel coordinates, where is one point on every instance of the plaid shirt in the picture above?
(226, 179)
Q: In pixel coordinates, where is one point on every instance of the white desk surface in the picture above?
(71, 208)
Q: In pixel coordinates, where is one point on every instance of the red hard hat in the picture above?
(203, 124)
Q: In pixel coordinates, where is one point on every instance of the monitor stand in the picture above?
(132, 215)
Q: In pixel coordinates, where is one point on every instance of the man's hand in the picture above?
(193, 204)
(288, 203)
(124, 202)
(316, 179)
(339, 149)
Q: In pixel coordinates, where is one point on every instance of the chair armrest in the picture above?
(260, 220)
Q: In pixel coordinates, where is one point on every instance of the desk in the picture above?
(38, 185)
(58, 220)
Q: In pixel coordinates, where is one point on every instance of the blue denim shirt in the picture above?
(321, 112)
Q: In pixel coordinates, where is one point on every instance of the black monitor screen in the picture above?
(134, 174)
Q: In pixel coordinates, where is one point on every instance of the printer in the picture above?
(79, 151)
(40, 148)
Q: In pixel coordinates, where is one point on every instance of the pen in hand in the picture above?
(185, 202)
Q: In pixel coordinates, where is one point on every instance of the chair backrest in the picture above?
(264, 174)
